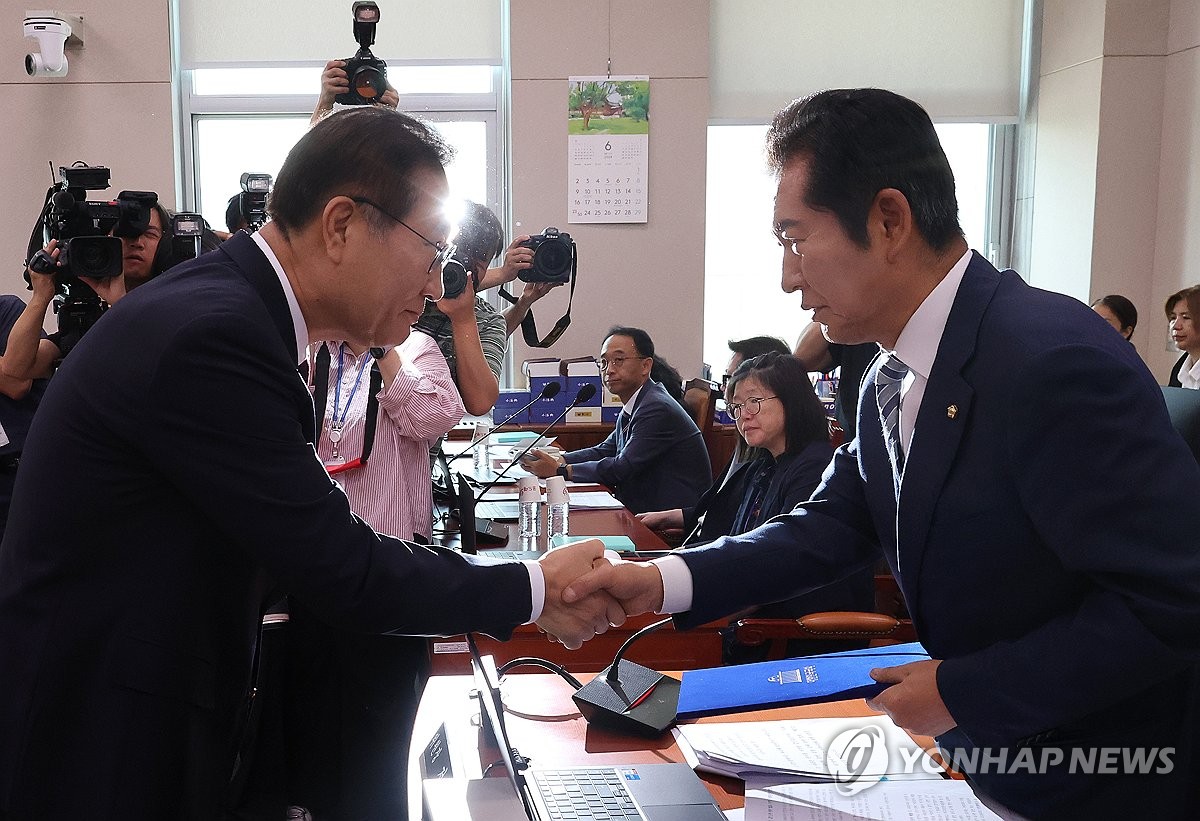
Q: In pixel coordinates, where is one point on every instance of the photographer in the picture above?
(29, 353)
(18, 400)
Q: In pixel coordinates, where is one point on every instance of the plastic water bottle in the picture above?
(558, 506)
(529, 498)
(482, 465)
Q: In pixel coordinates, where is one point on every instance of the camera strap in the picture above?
(529, 325)
(321, 397)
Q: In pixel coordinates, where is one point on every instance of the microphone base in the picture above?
(642, 702)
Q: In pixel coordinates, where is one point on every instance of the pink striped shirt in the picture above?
(392, 492)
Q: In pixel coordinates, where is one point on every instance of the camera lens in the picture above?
(368, 82)
(553, 258)
(98, 257)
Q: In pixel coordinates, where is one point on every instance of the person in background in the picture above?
(351, 697)
(779, 417)
(667, 375)
(18, 400)
(655, 457)
(1182, 309)
(852, 361)
(743, 349)
(1119, 312)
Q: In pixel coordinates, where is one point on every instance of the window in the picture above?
(741, 256)
(247, 119)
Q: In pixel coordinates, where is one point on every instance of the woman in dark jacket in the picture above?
(780, 419)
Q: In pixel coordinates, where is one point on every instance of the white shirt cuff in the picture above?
(677, 584)
(537, 590)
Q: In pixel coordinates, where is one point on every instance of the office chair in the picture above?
(700, 396)
(1183, 406)
(890, 624)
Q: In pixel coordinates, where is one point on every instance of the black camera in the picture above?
(366, 72)
(554, 257)
(187, 232)
(82, 228)
(252, 202)
(454, 276)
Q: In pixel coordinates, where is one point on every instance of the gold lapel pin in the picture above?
(951, 411)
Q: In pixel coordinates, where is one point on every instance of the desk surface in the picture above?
(543, 724)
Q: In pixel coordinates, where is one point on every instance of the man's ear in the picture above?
(337, 218)
(891, 221)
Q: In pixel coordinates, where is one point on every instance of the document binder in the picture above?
(801, 680)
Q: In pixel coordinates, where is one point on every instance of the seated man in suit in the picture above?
(169, 493)
(655, 458)
(1060, 608)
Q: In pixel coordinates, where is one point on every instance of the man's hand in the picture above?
(540, 463)
(638, 586)
(460, 308)
(533, 291)
(586, 616)
(913, 700)
(662, 519)
(43, 283)
(110, 289)
(516, 260)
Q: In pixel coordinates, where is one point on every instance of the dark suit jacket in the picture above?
(796, 477)
(170, 480)
(1044, 546)
(663, 463)
(1173, 379)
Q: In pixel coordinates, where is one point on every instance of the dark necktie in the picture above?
(888, 379)
(622, 430)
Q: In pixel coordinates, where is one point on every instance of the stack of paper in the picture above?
(884, 801)
(812, 750)
(595, 500)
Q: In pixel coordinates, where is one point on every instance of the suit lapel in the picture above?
(944, 416)
(249, 260)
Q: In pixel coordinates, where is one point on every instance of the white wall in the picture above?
(113, 108)
(647, 275)
(1177, 237)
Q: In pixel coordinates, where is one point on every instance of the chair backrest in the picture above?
(1183, 406)
(700, 397)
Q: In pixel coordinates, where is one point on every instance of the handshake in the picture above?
(586, 593)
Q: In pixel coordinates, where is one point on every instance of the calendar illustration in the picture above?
(608, 135)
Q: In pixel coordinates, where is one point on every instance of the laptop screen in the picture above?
(466, 516)
(491, 714)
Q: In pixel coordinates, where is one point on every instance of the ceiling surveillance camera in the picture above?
(51, 34)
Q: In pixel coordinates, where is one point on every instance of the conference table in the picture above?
(699, 647)
(544, 725)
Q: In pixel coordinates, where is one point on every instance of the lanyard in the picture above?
(335, 422)
(321, 392)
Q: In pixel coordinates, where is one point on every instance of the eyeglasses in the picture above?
(445, 250)
(750, 407)
(615, 362)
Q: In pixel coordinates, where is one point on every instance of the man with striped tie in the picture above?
(1016, 466)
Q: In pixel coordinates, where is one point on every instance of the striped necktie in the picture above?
(888, 379)
(622, 430)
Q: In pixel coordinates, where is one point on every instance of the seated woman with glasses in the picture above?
(783, 425)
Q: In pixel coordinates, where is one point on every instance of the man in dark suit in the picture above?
(1021, 479)
(170, 490)
(655, 458)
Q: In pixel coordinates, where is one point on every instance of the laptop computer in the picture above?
(635, 792)
(472, 530)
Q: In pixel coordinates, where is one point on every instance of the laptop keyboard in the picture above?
(585, 794)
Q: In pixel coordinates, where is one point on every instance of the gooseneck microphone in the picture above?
(585, 393)
(629, 698)
(549, 391)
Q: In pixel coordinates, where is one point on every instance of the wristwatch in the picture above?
(564, 470)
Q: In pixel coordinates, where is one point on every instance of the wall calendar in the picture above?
(608, 136)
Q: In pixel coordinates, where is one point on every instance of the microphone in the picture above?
(629, 698)
(549, 391)
(585, 393)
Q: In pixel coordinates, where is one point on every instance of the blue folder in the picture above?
(802, 680)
